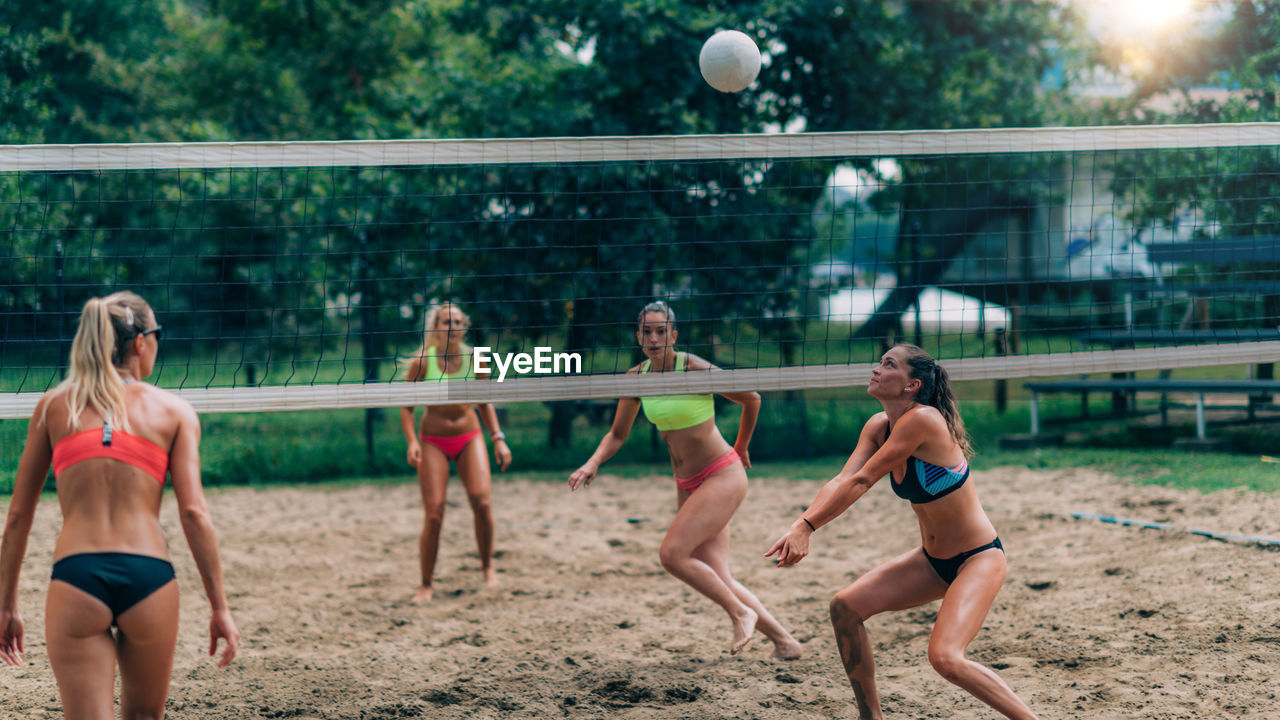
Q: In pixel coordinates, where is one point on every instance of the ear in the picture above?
(912, 386)
(674, 334)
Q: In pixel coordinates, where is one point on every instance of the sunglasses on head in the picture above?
(155, 330)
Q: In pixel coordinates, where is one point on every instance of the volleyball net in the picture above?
(297, 275)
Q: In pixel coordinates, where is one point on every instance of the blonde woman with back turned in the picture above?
(111, 439)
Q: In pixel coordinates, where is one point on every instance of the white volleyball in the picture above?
(729, 61)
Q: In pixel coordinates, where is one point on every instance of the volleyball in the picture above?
(729, 61)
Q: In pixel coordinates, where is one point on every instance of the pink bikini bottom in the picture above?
(451, 445)
(690, 484)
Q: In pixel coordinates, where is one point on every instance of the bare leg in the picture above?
(433, 478)
(715, 553)
(145, 644)
(473, 468)
(81, 651)
(903, 582)
(959, 619)
(702, 516)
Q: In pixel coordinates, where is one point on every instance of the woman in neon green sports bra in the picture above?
(450, 433)
(711, 480)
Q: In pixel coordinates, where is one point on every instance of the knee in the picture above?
(434, 514)
(480, 503)
(948, 663)
(671, 557)
(845, 612)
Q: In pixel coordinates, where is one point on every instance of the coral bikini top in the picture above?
(108, 442)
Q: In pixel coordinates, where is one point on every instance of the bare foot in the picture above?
(787, 649)
(423, 596)
(491, 578)
(744, 626)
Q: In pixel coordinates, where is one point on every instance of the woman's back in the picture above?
(110, 504)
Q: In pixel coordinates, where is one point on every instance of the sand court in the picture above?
(1094, 620)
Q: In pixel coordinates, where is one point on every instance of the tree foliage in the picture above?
(272, 256)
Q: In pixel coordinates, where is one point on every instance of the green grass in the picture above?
(1206, 472)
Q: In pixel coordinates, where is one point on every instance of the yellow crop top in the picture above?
(430, 369)
(677, 412)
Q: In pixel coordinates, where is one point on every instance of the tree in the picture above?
(724, 240)
(1232, 192)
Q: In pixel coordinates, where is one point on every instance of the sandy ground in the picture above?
(1095, 620)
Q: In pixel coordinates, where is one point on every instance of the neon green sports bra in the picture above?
(677, 412)
(431, 368)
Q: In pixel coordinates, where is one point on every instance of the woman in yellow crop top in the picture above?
(451, 433)
(711, 480)
(113, 598)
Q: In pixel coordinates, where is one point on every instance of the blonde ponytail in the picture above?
(108, 326)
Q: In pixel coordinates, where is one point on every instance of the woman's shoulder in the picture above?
(53, 394)
(49, 401)
(877, 424)
(924, 418)
(163, 401)
(413, 366)
(693, 362)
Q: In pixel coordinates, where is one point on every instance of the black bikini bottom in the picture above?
(119, 580)
(948, 568)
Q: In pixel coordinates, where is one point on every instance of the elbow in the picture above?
(194, 518)
(861, 482)
(18, 522)
(856, 483)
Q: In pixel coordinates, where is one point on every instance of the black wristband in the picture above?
(806, 522)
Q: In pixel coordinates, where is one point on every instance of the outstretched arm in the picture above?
(613, 440)
(33, 468)
(870, 461)
(197, 525)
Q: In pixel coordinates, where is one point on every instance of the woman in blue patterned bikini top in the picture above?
(925, 457)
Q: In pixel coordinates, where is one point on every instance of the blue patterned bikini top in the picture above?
(925, 482)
